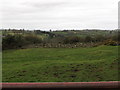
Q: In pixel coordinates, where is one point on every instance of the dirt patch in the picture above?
(24, 71)
(20, 75)
(72, 76)
(76, 70)
(56, 75)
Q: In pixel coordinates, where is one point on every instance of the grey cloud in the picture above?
(59, 14)
(44, 5)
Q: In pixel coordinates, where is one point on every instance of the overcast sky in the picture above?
(59, 14)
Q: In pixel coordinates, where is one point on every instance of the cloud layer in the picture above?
(59, 14)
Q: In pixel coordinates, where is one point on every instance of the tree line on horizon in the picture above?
(15, 39)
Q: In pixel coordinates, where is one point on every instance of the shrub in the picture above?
(71, 40)
(110, 42)
(32, 39)
(18, 41)
(88, 39)
(12, 41)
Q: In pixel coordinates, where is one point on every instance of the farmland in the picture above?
(61, 64)
(60, 56)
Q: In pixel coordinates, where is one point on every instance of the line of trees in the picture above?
(18, 41)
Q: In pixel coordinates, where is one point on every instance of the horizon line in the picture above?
(52, 29)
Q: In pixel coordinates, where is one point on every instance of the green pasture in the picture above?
(61, 64)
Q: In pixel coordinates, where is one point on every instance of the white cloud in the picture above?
(59, 14)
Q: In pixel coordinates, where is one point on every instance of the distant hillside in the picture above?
(62, 38)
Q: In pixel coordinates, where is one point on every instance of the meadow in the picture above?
(61, 64)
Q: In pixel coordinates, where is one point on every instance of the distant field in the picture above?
(84, 33)
(61, 64)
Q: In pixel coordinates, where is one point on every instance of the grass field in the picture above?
(61, 64)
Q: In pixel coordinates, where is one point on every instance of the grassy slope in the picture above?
(61, 65)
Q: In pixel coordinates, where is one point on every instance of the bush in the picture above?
(32, 39)
(110, 42)
(18, 41)
(13, 41)
(88, 39)
(71, 40)
(116, 37)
